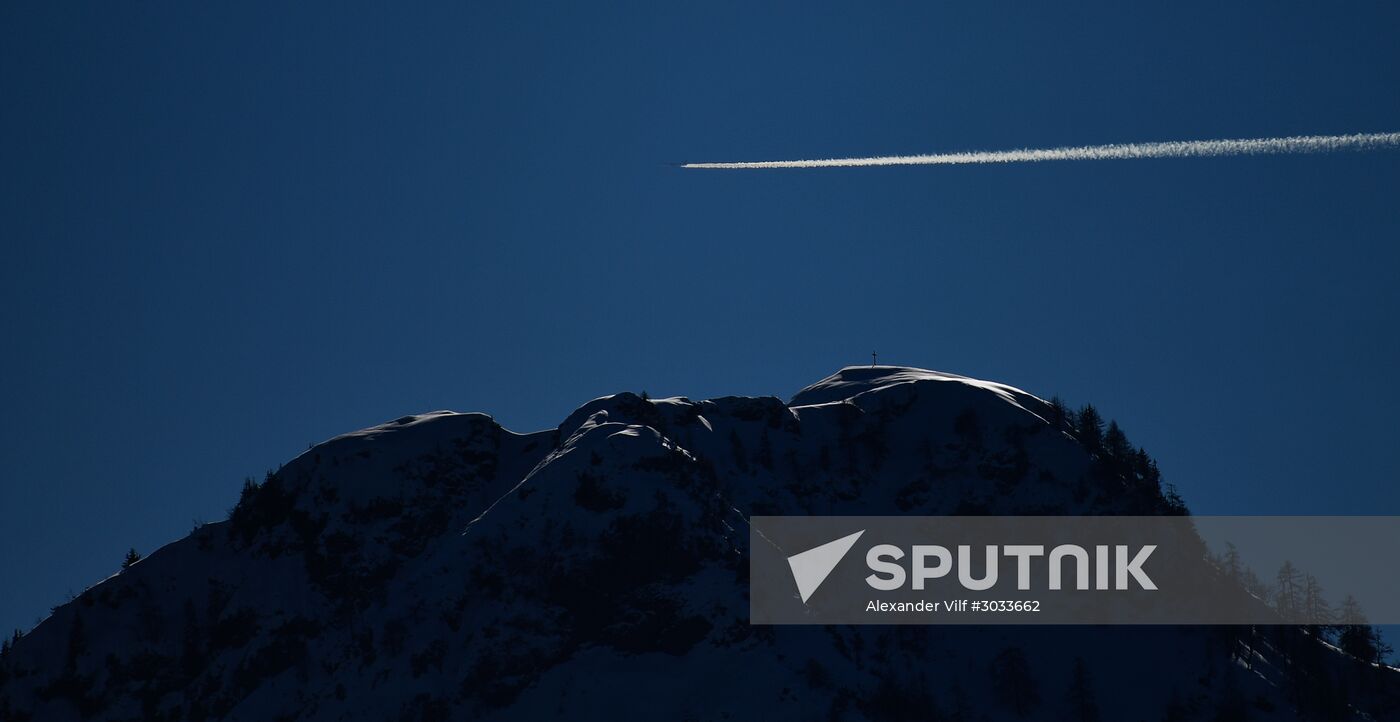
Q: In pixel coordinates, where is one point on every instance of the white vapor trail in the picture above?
(1170, 149)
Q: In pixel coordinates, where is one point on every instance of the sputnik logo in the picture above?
(812, 567)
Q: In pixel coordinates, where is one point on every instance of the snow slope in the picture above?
(441, 567)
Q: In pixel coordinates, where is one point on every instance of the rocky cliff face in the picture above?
(441, 567)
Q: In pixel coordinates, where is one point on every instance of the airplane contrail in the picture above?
(1117, 151)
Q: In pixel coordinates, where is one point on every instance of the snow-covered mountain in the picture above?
(441, 567)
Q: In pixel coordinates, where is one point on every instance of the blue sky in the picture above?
(231, 231)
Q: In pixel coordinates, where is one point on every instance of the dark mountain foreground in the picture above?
(440, 567)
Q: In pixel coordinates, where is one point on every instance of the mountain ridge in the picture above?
(440, 565)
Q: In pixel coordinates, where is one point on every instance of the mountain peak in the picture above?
(853, 381)
(609, 550)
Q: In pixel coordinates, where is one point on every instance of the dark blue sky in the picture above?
(231, 231)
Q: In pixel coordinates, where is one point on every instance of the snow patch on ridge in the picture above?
(853, 381)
